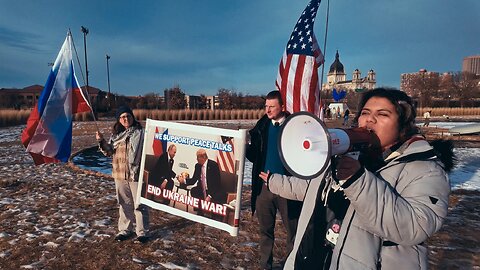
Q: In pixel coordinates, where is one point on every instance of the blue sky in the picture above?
(206, 45)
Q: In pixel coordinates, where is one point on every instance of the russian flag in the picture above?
(159, 146)
(48, 135)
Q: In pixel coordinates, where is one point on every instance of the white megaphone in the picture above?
(306, 145)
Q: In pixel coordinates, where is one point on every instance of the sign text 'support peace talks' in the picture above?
(194, 142)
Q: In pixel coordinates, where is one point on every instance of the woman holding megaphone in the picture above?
(373, 213)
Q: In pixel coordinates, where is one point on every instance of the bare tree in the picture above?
(253, 102)
(237, 100)
(447, 89)
(10, 101)
(425, 86)
(353, 99)
(467, 87)
(141, 103)
(175, 98)
(225, 98)
(152, 101)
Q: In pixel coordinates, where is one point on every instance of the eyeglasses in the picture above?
(128, 116)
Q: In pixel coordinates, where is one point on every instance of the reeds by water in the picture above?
(166, 115)
(449, 111)
(10, 117)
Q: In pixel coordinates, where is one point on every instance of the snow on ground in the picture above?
(449, 124)
(47, 209)
(466, 174)
(11, 134)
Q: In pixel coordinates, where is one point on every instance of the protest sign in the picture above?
(195, 172)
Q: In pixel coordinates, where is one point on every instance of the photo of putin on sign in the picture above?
(163, 171)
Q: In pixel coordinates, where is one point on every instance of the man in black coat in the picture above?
(263, 153)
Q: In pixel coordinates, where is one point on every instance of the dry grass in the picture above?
(175, 115)
(10, 117)
(449, 111)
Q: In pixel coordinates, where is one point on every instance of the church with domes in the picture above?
(337, 78)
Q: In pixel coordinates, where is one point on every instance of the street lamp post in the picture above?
(108, 81)
(85, 33)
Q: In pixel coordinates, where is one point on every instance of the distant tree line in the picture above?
(459, 89)
(174, 98)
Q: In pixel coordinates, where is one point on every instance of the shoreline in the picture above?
(55, 216)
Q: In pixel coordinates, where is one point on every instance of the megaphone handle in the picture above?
(333, 167)
(354, 155)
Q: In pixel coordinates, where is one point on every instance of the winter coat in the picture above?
(126, 151)
(392, 211)
(256, 152)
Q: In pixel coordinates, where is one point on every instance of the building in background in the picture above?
(409, 81)
(337, 78)
(471, 64)
(26, 98)
(202, 102)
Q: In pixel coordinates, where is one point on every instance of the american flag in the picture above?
(297, 78)
(226, 160)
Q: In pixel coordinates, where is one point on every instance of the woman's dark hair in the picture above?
(119, 128)
(444, 151)
(403, 104)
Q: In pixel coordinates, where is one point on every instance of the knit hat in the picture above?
(123, 109)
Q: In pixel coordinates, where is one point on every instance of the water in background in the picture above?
(92, 159)
(466, 174)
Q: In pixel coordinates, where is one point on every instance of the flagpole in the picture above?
(83, 78)
(324, 48)
(108, 80)
(85, 33)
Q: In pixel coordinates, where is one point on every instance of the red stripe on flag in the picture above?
(27, 135)
(297, 86)
(32, 124)
(312, 97)
(226, 160)
(284, 84)
(39, 159)
(79, 103)
(157, 145)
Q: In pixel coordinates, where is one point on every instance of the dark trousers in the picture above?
(266, 209)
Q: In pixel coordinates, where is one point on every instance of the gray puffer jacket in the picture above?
(392, 211)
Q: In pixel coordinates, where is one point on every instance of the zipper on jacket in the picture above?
(345, 239)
